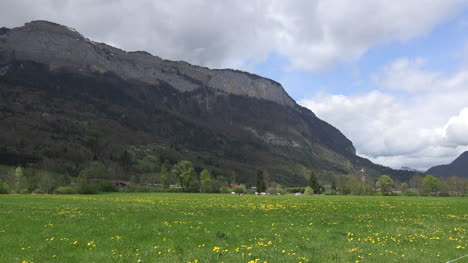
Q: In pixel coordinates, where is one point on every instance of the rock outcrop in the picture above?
(63, 47)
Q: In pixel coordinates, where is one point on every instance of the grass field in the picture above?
(226, 228)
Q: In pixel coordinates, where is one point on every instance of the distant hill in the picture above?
(459, 168)
(406, 168)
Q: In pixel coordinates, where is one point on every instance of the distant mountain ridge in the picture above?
(406, 168)
(459, 167)
(66, 100)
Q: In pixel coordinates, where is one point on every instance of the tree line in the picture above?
(183, 177)
(417, 185)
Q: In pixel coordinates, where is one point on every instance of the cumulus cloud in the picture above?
(407, 75)
(417, 131)
(456, 129)
(313, 35)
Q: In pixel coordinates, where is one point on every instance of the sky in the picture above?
(391, 75)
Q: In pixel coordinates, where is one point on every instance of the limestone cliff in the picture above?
(63, 47)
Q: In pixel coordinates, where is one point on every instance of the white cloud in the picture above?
(335, 31)
(456, 129)
(428, 128)
(407, 75)
(313, 35)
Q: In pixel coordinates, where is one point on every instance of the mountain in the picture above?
(459, 167)
(66, 100)
(406, 168)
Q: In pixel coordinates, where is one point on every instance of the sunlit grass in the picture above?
(226, 228)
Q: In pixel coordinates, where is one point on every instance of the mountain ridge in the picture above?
(31, 43)
(458, 167)
(82, 110)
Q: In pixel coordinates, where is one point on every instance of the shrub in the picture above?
(144, 189)
(82, 186)
(37, 191)
(295, 190)
(64, 190)
(250, 191)
(309, 191)
(444, 194)
(106, 186)
(136, 189)
(168, 190)
(239, 190)
(4, 189)
(224, 189)
(331, 192)
(24, 191)
(276, 188)
(411, 193)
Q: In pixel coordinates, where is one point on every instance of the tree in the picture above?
(314, 183)
(134, 180)
(404, 188)
(234, 178)
(47, 183)
(349, 184)
(431, 184)
(164, 176)
(185, 173)
(20, 182)
(82, 186)
(333, 185)
(125, 160)
(220, 185)
(18, 173)
(4, 189)
(261, 185)
(344, 184)
(416, 182)
(456, 186)
(386, 184)
(95, 170)
(206, 181)
(276, 188)
(106, 186)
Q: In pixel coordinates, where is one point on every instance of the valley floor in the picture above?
(227, 228)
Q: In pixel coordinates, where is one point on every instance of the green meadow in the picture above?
(230, 228)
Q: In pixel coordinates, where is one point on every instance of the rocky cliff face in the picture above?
(63, 47)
